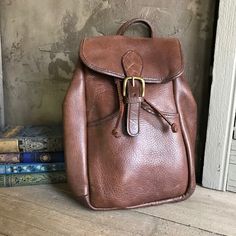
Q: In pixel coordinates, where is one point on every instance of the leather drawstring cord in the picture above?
(115, 131)
(173, 126)
(121, 109)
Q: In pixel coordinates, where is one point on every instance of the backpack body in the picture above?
(129, 123)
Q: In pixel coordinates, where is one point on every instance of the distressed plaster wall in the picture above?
(40, 40)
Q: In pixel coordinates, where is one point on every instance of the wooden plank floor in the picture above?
(51, 210)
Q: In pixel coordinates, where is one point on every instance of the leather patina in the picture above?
(129, 151)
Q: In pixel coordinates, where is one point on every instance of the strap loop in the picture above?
(126, 25)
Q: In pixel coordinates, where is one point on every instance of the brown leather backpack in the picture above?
(129, 123)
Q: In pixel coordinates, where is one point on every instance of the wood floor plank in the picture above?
(206, 209)
(51, 208)
(51, 220)
(10, 226)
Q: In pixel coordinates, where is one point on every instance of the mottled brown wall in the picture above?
(41, 38)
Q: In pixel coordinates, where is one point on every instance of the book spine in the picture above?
(21, 168)
(32, 144)
(32, 179)
(41, 144)
(9, 158)
(41, 157)
(9, 145)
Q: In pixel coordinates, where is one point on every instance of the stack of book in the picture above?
(31, 155)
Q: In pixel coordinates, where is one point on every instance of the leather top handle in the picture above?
(125, 26)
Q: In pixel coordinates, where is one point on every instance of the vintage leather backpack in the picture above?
(129, 123)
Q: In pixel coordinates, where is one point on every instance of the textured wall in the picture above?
(41, 38)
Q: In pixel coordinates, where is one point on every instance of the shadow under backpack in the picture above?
(129, 123)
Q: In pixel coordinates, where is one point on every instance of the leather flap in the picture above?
(162, 57)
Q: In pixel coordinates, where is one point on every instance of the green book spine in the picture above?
(32, 179)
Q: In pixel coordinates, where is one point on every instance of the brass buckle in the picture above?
(133, 78)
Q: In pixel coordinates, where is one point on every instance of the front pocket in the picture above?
(103, 120)
(116, 113)
(129, 171)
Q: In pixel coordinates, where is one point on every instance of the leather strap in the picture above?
(133, 109)
(133, 65)
(126, 25)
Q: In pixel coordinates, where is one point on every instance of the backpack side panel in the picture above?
(75, 134)
(187, 110)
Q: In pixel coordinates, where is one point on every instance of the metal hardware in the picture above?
(133, 78)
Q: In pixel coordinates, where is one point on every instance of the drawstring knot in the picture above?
(174, 126)
(116, 133)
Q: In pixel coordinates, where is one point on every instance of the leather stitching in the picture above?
(166, 114)
(101, 121)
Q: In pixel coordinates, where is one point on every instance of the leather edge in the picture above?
(79, 158)
(85, 201)
(189, 144)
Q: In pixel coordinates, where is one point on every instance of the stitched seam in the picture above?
(153, 203)
(139, 106)
(128, 123)
(102, 120)
(166, 114)
(147, 108)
